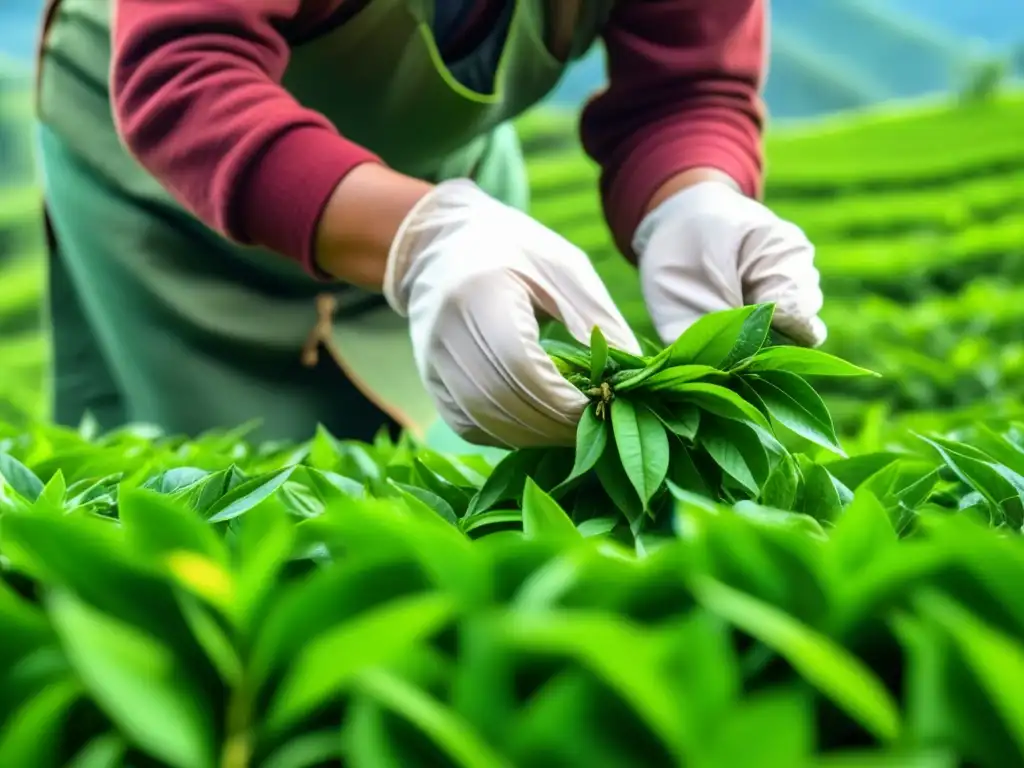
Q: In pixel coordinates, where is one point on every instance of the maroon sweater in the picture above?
(197, 101)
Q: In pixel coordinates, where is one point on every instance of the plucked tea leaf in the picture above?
(591, 441)
(598, 355)
(736, 449)
(795, 404)
(617, 485)
(752, 336)
(670, 379)
(642, 445)
(802, 361)
(832, 670)
(710, 339)
(138, 682)
(717, 400)
(681, 419)
(543, 517)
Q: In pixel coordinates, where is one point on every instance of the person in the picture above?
(211, 167)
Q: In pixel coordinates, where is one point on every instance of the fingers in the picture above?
(777, 265)
(488, 373)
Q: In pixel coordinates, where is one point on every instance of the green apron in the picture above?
(156, 318)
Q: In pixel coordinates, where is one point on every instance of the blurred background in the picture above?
(896, 141)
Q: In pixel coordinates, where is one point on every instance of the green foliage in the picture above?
(217, 603)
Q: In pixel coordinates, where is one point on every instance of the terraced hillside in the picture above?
(918, 217)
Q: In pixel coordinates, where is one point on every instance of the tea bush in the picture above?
(211, 602)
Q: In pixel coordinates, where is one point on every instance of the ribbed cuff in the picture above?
(288, 188)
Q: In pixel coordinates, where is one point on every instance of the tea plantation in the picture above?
(756, 555)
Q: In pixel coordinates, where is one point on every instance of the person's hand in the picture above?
(709, 248)
(471, 274)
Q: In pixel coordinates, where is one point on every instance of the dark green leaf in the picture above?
(752, 335)
(22, 479)
(736, 449)
(591, 440)
(642, 446)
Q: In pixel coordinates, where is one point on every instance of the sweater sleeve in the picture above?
(684, 92)
(197, 100)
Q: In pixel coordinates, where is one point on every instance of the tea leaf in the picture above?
(642, 445)
(802, 361)
(31, 736)
(832, 670)
(22, 479)
(543, 517)
(719, 401)
(248, 495)
(334, 659)
(445, 727)
(618, 486)
(736, 449)
(795, 404)
(591, 441)
(710, 339)
(671, 378)
(752, 336)
(682, 419)
(598, 355)
(506, 481)
(136, 680)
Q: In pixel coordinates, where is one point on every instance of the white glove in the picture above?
(708, 248)
(471, 273)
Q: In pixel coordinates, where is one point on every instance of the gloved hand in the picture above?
(470, 273)
(709, 247)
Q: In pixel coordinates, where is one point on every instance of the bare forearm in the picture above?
(360, 221)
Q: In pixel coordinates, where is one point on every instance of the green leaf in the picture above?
(157, 525)
(591, 440)
(832, 670)
(247, 495)
(542, 516)
(671, 379)
(22, 479)
(642, 445)
(598, 355)
(802, 361)
(602, 643)
(332, 660)
(572, 352)
(710, 339)
(506, 481)
(309, 750)
(736, 449)
(683, 470)
(138, 683)
(32, 735)
(794, 404)
(631, 378)
(449, 731)
(105, 751)
(681, 419)
(780, 489)
(821, 499)
(212, 639)
(753, 334)
(1001, 487)
(617, 485)
(996, 660)
(429, 499)
(719, 401)
(862, 534)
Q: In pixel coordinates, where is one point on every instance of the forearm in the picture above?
(686, 179)
(359, 222)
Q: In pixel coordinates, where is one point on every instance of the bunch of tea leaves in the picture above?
(704, 414)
